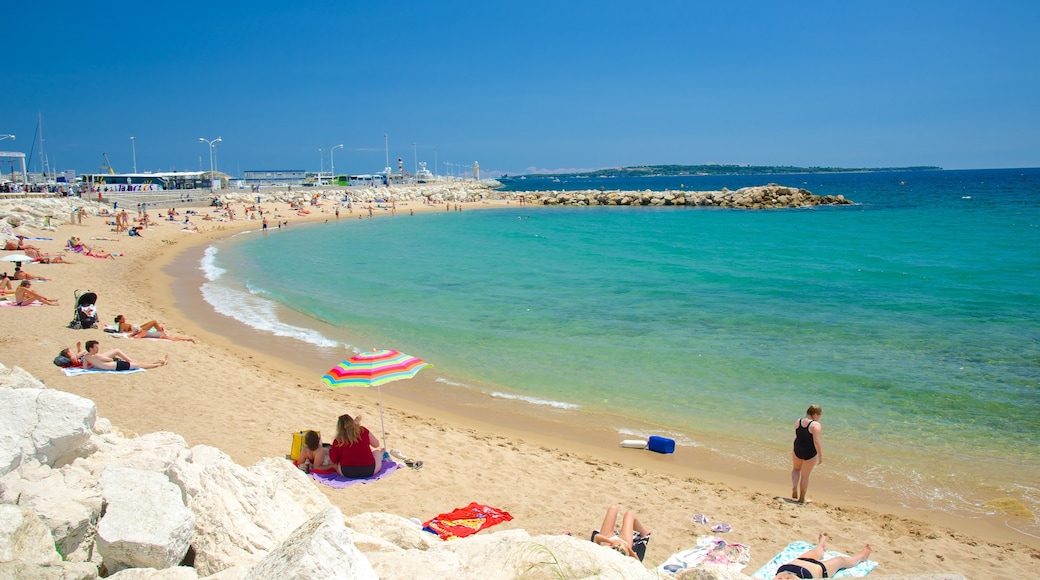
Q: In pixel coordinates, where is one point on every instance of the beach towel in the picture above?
(795, 549)
(13, 303)
(339, 482)
(77, 371)
(466, 521)
(709, 550)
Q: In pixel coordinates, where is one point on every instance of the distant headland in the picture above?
(714, 169)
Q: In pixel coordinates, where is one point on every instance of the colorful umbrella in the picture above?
(373, 369)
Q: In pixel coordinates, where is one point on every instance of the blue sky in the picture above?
(523, 86)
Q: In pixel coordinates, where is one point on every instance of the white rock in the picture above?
(24, 537)
(320, 548)
(152, 452)
(146, 524)
(175, 573)
(242, 514)
(43, 424)
(510, 554)
(375, 530)
(19, 378)
(65, 499)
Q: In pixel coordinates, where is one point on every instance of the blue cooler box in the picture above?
(661, 444)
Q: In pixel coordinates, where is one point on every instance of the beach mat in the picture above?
(77, 371)
(795, 549)
(708, 550)
(13, 303)
(465, 521)
(339, 482)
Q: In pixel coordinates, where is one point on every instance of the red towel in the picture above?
(466, 521)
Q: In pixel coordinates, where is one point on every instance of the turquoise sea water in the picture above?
(912, 317)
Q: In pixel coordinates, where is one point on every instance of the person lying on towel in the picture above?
(94, 359)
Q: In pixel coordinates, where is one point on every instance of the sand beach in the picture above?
(245, 392)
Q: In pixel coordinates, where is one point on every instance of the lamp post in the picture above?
(386, 140)
(321, 164)
(435, 163)
(415, 155)
(332, 159)
(2, 137)
(211, 145)
(133, 144)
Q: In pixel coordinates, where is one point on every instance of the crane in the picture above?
(108, 165)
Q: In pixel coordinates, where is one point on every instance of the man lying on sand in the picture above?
(106, 363)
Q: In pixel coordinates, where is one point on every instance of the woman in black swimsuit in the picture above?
(808, 565)
(808, 452)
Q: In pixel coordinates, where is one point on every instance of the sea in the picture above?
(912, 317)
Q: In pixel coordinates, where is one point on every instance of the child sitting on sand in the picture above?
(314, 457)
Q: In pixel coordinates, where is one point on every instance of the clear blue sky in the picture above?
(523, 86)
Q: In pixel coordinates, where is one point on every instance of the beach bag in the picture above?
(298, 441)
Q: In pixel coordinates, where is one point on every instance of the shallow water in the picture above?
(912, 317)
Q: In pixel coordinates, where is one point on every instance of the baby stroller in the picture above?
(86, 311)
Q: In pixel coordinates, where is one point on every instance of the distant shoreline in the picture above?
(711, 169)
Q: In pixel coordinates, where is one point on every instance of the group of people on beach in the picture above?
(355, 452)
(632, 537)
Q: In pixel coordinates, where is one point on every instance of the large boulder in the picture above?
(43, 424)
(320, 548)
(154, 452)
(377, 532)
(175, 573)
(24, 537)
(242, 514)
(65, 499)
(510, 554)
(19, 378)
(145, 524)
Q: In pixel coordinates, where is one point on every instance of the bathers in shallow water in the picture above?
(804, 447)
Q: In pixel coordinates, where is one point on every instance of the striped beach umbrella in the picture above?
(373, 369)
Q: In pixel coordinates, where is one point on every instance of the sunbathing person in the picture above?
(314, 457)
(93, 359)
(630, 540)
(23, 296)
(808, 565)
(5, 283)
(20, 274)
(76, 357)
(42, 258)
(19, 245)
(150, 329)
(352, 451)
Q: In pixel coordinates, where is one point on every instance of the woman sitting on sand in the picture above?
(630, 540)
(314, 457)
(23, 296)
(808, 565)
(352, 451)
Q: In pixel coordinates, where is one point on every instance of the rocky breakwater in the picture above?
(770, 196)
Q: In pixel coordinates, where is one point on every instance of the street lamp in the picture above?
(386, 139)
(2, 137)
(133, 144)
(415, 155)
(332, 158)
(211, 145)
(321, 164)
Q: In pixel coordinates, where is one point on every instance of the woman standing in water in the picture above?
(808, 452)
